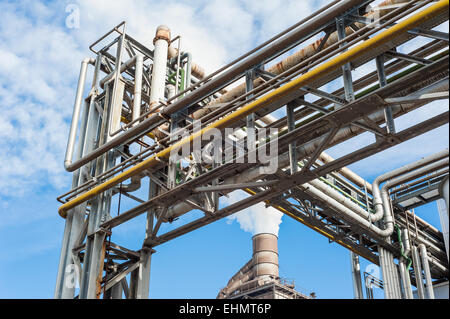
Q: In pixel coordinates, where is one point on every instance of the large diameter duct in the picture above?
(265, 256)
(161, 42)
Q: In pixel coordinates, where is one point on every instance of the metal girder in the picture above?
(407, 57)
(303, 177)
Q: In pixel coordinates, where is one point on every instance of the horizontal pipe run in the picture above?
(279, 93)
(377, 192)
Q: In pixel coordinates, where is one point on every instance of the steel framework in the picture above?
(140, 99)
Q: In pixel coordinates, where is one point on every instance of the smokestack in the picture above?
(265, 256)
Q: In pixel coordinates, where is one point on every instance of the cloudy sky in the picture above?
(41, 46)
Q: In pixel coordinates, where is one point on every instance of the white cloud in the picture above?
(256, 219)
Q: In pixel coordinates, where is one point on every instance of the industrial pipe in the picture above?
(426, 270)
(137, 88)
(418, 273)
(294, 85)
(378, 195)
(76, 111)
(161, 42)
(443, 191)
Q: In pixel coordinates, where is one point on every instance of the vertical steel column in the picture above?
(418, 272)
(100, 207)
(67, 278)
(290, 107)
(356, 276)
(390, 125)
(346, 68)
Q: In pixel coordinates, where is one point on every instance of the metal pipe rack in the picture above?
(128, 132)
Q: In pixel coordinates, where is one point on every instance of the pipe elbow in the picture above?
(67, 164)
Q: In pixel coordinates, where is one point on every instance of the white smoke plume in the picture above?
(255, 219)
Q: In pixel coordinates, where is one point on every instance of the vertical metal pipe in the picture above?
(76, 111)
(406, 284)
(356, 276)
(138, 87)
(161, 42)
(418, 272)
(426, 270)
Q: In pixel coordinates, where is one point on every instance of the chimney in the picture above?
(265, 256)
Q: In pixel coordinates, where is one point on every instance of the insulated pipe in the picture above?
(196, 70)
(377, 194)
(350, 214)
(386, 200)
(418, 273)
(76, 111)
(347, 173)
(426, 270)
(406, 284)
(305, 79)
(161, 42)
(138, 87)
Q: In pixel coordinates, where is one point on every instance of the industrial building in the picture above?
(153, 118)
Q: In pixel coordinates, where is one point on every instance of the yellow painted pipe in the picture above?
(125, 120)
(305, 79)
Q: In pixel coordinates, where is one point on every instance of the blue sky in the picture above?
(39, 64)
